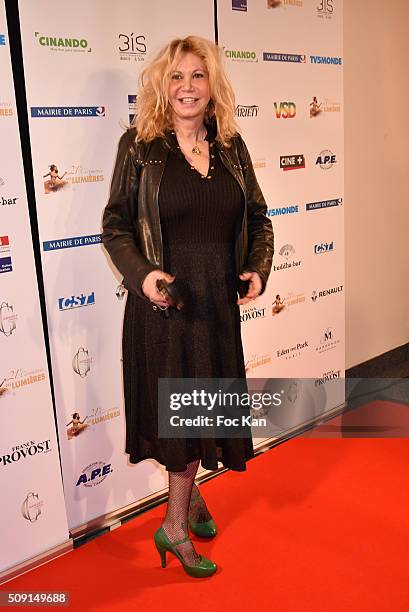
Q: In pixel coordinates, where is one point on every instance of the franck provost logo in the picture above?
(246, 111)
(326, 377)
(58, 43)
(31, 507)
(293, 58)
(8, 319)
(325, 9)
(285, 110)
(323, 204)
(94, 474)
(23, 451)
(292, 162)
(58, 112)
(132, 47)
(252, 312)
(69, 243)
(240, 55)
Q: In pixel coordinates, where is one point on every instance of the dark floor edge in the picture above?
(392, 364)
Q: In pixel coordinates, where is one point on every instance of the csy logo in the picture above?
(323, 247)
(94, 474)
(326, 159)
(76, 301)
(284, 110)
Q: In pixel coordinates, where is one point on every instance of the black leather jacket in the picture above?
(131, 224)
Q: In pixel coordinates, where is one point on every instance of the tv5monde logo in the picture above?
(285, 110)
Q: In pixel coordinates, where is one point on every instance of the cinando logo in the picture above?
(57, 43)
(237, 55)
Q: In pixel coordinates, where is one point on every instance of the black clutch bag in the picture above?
(170, 292)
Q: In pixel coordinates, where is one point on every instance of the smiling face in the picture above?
(189, 91)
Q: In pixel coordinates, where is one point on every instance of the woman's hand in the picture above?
(254, 289)
(150, 289)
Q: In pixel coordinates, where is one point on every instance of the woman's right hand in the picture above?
(150, 289)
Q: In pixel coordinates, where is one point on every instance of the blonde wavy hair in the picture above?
(153, 112)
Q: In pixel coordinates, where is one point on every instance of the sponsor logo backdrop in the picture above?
(33, 510)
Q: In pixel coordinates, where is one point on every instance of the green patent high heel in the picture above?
(203, 530)
(202, 569)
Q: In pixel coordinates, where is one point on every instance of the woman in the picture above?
(185, 207)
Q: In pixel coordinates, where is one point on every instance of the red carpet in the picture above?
(313, 525)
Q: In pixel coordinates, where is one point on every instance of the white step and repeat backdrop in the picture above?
(81, 78)
(284, 59)
(33, 516)
(285, 62)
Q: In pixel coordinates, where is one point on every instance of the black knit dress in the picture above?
(200, 218)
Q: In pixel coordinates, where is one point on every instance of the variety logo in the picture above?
(326, 159)
(132, 98)
(6, 109)
(77, 175)
(293, 58)
(56, 43)
(328, 341)
(292, 162)
(31, 507)
(5, 256)
(76, 301)
(325, 9)
(94, 474)
(239, 5)
(132, 47)
(323, 247)
(291, 352)
(326, 292)
(325, 59)
(7, 201)
(8, 319)
(287, 252)
(326, 106)
(240, 56)
(81, 363)
(323, 204)
(2, 39)
(327, 376)
(67, 111)
(284, 110)
(283, 210)
(246, 111)
(68, 243)
(252, 312)
(24, 451)
(18, 379)
(257, 361)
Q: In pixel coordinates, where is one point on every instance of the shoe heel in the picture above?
(162, 553)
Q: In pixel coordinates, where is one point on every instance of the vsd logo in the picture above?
(284, 110)
(326, 159)
(94, 474)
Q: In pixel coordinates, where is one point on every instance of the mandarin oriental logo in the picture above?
(292, 162)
